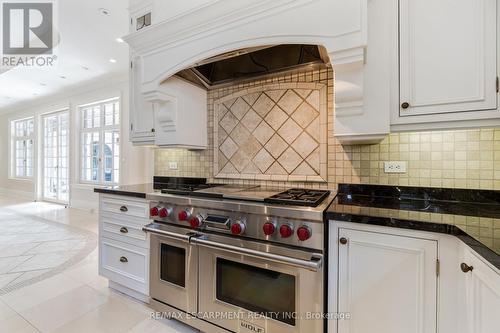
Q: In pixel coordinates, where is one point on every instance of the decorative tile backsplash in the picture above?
(272, 132)
(454, 159)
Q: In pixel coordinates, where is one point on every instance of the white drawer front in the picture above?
(124, 230)
(125, 207)
(125, 264)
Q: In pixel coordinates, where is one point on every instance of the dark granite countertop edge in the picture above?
(488, 254)
(126, 193)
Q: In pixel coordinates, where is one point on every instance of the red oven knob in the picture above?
(304, 233)
(196, 221)
(286, 231)
(184, 215)
(268, 228)
(237, 228)
(165, 212)
(153, 211)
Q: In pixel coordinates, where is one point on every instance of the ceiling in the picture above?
(87, 43)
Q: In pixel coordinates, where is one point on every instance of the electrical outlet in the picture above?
(395, 167)
(172, 165)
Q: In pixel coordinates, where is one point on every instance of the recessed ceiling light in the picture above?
(120, 40)
(62, 77)
(104, 11)
(43, 84)
(85, 68)
(112, 60)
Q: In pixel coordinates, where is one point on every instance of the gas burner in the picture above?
(299, 197)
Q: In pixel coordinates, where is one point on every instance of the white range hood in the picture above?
(220, 26)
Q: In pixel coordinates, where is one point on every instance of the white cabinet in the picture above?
(123, 246)
(481, 296)
(386, 283)
(448, 61)
(174, 116)
(142, 127)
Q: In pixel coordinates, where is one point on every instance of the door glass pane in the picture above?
(55, 157)
(269, 293)
(173, 265)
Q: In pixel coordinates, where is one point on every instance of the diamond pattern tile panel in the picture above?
(240, 108)
(290, 101)
(305, 145)
(273, 131)
(276, 117)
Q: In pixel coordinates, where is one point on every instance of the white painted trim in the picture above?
(224, 25)
(446, 125)
(361, 139)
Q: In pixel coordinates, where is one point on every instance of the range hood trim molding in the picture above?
(223, 26)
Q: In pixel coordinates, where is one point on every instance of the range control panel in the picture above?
(269, 228)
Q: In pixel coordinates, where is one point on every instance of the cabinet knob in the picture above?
(123, 259)
(123, 209)
(343, 240)
(123, 230)
(405, 105)
(466, 268)
(153, 130)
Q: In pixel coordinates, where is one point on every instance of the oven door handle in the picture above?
(168, 234)
(313, 265)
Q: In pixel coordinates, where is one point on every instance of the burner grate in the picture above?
(299, 197)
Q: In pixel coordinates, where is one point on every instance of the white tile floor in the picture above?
(76, 299)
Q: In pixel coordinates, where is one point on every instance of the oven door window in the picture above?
(269, 293)
(173, 265)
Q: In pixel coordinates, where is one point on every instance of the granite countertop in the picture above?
(470, 215)
(136, 191)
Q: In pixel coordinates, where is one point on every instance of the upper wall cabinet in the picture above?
(447, 62)
(173, 116)
(142, 124)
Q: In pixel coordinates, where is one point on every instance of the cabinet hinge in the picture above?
(131, 127)
(437, 267)
(498, 85)
(131, 64)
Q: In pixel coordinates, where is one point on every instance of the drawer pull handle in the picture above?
(343, 240)
(466, 268)
(124, 209)
(405, 105)
(123, 259)
(123, 230)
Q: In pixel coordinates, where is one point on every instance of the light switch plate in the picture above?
(172, 165)
(395, 167)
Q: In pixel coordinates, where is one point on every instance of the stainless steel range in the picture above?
(237, 259)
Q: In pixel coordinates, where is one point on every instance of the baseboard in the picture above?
(127, 291)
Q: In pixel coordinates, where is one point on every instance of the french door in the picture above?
(55, 168)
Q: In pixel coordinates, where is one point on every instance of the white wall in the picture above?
(136, 162)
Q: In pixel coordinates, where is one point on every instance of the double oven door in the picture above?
(240, 285)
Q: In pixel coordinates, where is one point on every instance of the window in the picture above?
(100, 142)
(22, 134)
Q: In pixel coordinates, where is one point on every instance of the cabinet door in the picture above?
(386, 283)
(141, 111)
(447, 56)
(482, 297)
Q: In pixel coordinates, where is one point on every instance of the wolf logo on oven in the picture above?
(251, 328)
